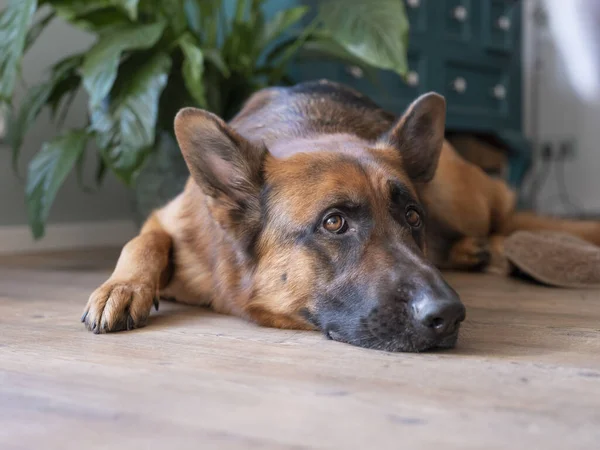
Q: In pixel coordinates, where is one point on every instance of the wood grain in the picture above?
(526, 374)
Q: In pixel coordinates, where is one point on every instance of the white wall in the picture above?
(563, 113)
(112, 204)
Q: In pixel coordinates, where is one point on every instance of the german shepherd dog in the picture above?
(315, 209)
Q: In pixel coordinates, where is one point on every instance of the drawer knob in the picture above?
(412, 78)
(460, 85)
(500, 92)
(460, 13)
(504, 23)
(356, 72)
(413, 3)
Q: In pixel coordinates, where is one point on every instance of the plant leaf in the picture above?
(193, 68)
(376, 31)
(71, 9)
(101, 22)
(31, 106)
(162, 176)
(130, 6)
(173, 11)
(125, 127)
(36, 30)
(214, 56)
(193, 16)
(14, 23)
(281, 22)
(47, 172)
(62, 75)
(100, 170)
(101, 63)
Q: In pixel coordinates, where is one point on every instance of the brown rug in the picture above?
(556, 259)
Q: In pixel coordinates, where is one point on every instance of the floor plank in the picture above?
(526, 374)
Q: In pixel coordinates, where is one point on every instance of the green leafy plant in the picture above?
(151, 58)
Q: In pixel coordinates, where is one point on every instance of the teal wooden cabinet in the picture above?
(470, 52)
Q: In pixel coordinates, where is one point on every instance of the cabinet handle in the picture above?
(504, 23)
(460, 13)
(412, 78)
(355, 71)
(499, 92)
(460, 85)
(413, 3)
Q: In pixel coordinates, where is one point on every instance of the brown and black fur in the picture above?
(244, 235)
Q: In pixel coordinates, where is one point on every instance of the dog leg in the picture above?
(588, 230)
(469, 253)
(124, 301)
(478, 254)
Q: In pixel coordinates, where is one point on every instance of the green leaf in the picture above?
(65, 79)
(173, 11)
(71, 9)
(322, 47)
(193, 68)
(125, 127)
(101, 63)
(162, 176)
(47, 172)
(240, 10)
(100, 170)
(130, 6)
(62, 76)
(281, 22)
(101, 22)
(31, 106)
(213, 55)
(376, 31)
(36, 30)
(278, 72)
(193, 16)
(14, 23)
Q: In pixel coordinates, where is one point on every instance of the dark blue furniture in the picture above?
(470, 52)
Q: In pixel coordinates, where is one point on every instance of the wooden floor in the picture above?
(526, 374)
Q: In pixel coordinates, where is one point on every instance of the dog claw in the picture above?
(155, 300)
(130, 324)
(84, 316)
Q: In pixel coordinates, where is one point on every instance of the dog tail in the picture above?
(588, 230)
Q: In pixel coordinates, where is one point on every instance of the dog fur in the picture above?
(233, 239)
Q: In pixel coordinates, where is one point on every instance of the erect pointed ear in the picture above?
(225, 165)
(419, 135)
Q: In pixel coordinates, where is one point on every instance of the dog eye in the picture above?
(335, 223)
(413, 218)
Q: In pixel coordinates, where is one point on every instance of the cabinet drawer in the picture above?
(459, 20)
(389, 90)
(475, 89)
(417, 13)
(500, 23)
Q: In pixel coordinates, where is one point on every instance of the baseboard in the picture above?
(64, 236)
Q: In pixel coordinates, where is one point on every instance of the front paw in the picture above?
(471, 253)
(119, 305)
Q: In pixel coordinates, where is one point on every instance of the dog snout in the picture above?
(438, 311)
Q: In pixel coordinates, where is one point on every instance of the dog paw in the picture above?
(119, 305)
(472, 253)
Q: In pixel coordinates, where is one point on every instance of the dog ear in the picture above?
(419, 136)
(224, 164)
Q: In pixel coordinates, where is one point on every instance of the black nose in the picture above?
(442, 316)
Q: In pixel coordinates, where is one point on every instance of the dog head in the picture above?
(333, 226)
